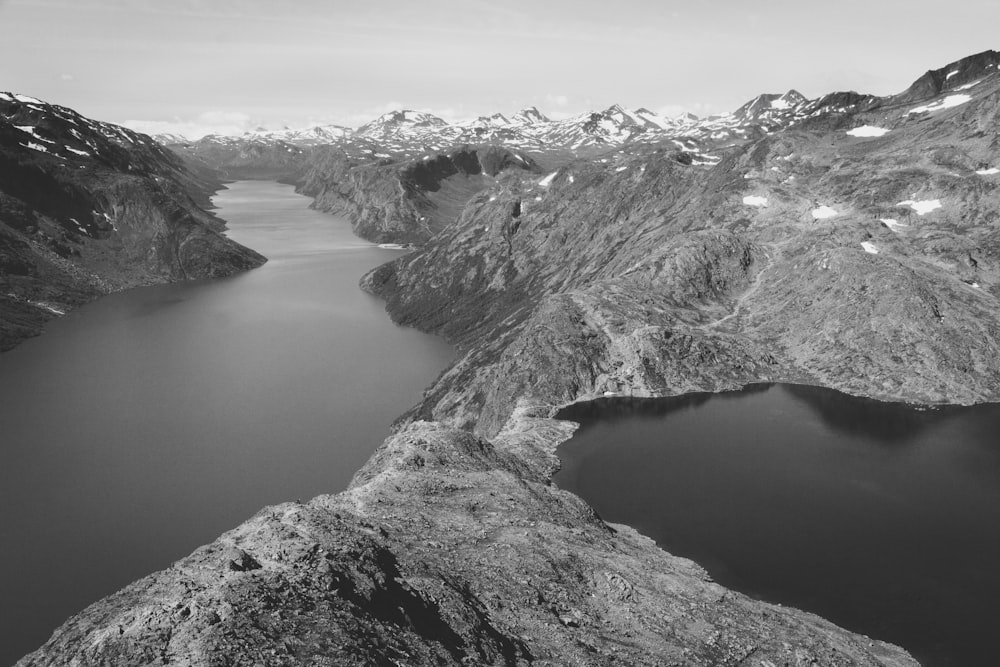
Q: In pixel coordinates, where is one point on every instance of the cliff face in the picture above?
(408, 200)
(87, 208)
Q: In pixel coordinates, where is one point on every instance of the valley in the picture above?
(847, 242)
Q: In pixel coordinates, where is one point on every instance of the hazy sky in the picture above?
(198, 65)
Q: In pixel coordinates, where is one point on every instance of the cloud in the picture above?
(67, 77)
(556, 100)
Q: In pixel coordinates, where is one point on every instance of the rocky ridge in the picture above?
(855, 249)
(87, 208)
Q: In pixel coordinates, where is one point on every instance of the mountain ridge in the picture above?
(87, 208)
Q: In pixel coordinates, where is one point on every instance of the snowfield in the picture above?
(868, 131)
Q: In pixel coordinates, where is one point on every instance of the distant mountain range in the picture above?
(406, 132)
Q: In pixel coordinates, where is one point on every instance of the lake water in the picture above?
(147, 423)
(879, 517)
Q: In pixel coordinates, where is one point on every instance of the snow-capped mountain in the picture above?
(770, 105)
(62, 133)
(396, 122)
(409, 133)
(170, 138)
(311, 136)
(88, 207)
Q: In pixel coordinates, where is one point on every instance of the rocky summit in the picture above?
(87, 208)
(848, 241)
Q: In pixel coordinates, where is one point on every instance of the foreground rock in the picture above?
(88, 208)
(446, 549)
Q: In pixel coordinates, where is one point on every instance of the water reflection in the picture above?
(886, 423)
(878, 516)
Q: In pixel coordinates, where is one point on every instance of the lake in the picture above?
(150, 421)
(882, 518)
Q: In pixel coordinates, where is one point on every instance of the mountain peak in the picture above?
(400, 118)
(530, 116)
(953, 75)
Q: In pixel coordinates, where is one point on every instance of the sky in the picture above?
(198, 66)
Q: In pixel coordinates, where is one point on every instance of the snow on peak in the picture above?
(867, 131)
(530, 116)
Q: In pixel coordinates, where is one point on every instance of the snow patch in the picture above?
(755, 200)
(950, 74)
(988, 172)
(869, 247)
(867, 131)
(968, 85)
(823, 212)
(922, 206)
(946, 103)
(547, 181)
(892, 224)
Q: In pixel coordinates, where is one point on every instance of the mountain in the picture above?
(850, 241)
(87, 208)
(170, 138)
(394, 122)
(407, 200)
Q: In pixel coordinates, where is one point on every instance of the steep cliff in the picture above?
(405, 200)
(87, 208)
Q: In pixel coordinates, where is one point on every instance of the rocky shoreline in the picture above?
(446, 549)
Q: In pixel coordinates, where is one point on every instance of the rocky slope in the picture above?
(405, 200)
(855, 248)
(87, 208)
(446, 549)
(820, 255)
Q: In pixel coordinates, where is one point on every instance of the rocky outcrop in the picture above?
(405, 200)
(447, 549)
(88, 208)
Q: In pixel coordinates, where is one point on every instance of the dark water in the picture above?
(151, 421)
(881, 518)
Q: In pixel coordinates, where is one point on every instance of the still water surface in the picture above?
(882, 518)
(149, 422)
